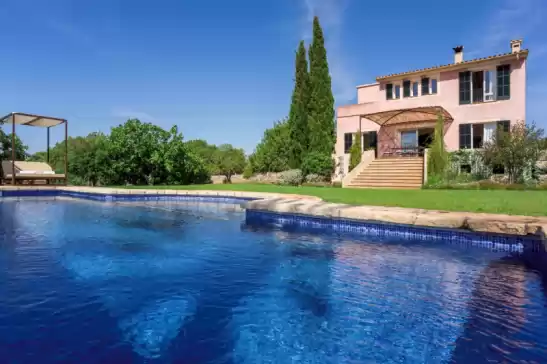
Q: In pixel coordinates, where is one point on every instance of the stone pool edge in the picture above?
(315, 207)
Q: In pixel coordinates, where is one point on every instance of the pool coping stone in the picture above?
(535, 226)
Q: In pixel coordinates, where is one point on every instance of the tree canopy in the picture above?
(298, 114)
(134, 153)
(272, 153)
(321, 101)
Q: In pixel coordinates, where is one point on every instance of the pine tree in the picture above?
(321, 103)
(298, 114)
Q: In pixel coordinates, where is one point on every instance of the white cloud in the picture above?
(133, 114)
(331, 16)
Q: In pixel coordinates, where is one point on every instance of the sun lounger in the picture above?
(30, 172)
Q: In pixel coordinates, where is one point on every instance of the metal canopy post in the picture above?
(13, 150)
(66, 152)
(47, 146)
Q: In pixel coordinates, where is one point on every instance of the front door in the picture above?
(409, 140)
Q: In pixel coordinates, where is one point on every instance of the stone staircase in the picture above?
(403, 172)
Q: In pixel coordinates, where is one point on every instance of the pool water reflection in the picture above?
(191, 283)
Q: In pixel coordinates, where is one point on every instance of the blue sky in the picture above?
(222, 70)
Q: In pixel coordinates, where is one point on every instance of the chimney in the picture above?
(515, 45)
(458, 54)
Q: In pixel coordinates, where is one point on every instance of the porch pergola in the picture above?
(19, 118)
(412, 115)
(394, 122)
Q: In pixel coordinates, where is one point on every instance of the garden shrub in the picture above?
(292, 177)
(318, 163)
(438, 156)
(314, 178)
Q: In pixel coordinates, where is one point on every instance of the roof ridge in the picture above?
(499, 55)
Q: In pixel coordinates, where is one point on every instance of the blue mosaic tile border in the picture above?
(503, 242)
(124, 197)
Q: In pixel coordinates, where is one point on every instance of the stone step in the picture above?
(416, 178)
(387, 185)
(394, 168)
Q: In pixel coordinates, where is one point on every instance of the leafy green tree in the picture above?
(205, 151)
(298, 115)
(180, 165)
(134, 152)
(355, 151)
(438, 158)
(229, 161)
(321, 102)
(517, 151)
(272, 154)
(5, 144)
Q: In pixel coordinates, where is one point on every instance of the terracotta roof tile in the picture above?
(523, 52)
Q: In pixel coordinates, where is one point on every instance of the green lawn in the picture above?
(494, 201)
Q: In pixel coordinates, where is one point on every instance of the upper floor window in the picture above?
(485, 85)
(406, 88)
(411, 88)
(348, 142)
(433, 86)
(414, 89)
(389, 91)
(393, 91)
(503, 79)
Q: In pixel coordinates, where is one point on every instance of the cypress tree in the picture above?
(298, 114)
(321, 103)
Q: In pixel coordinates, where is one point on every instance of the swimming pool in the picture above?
(186, 282)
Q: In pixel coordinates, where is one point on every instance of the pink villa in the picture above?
(397, 115)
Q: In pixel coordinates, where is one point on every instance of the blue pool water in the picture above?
(159, 282)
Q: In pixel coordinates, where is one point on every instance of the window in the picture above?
(425, 86)
(406, 88)
(397, 91)
(414, 89)
(504, 125)
(477, 82)
(433, 86)
(465, 87)
(348, 141)
(370, 140)
(474, 136)
(389, 91)
(489, 85)
(465, 136)
(503, 79)
(478, 135)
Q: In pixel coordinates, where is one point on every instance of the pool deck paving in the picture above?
(314, 206)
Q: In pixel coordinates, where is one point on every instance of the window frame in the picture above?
(346, 148)
(413, 84)
(499, 77)
(471, 126)
(389, 91)
(407, 90)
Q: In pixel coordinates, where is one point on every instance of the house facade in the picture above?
(397, 113)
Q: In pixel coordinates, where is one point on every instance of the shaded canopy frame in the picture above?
(20, 118)
(413, 115)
